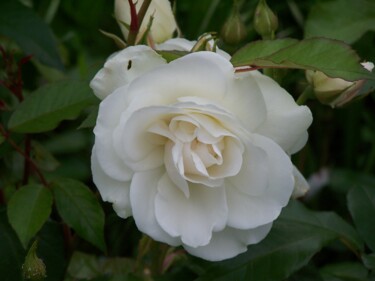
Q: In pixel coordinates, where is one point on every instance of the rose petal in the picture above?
(111, 190)
(178, 44)
(301, 186)
(251, 205)
(143, 190)
(123, 67)
(286, 121)
(194, 218)
(280, 168)
(229, 243)
(171, 160)
(181, 44)
(208, 76)
(247, 211)
(140, 148)
(109, 113)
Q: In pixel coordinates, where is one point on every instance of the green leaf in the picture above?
(90, 120)
(326, 221)
(334, 58)
(172, 55)
(343, 180)
(369, 261)
(361, 203)
(345, 271)
(28, 210)
(44, 109)
(80, 209)
(295, 237)
(85, 266)
(12, 254)
(29, 31)
(345, 20)
(52, 251)
(43, 158)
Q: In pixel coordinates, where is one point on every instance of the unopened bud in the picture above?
(234, 30)
(335, 92)
(265, 21)
(33, 268)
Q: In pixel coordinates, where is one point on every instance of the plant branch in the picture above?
(33, 166)
(136, 20)
(27, 165)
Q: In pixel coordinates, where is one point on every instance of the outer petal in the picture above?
(111, 190)
(246, 100)
(229, 243)
(286, 122)
(301, 186)
(109, 115)
(249, 209)
(202, 74)
(123, 67)
(181, 44)
(194, 218)
(143, 190)
(178, 44)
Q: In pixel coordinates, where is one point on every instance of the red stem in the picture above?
(134, 24)
(27, 158)
(252, 68)
(27, 164)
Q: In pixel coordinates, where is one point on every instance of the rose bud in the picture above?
(335, 92)
(234, 30)
(265, 21)
(163, 24)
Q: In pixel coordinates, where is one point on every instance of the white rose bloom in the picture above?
(198, 154)
(125, 65)
(163, 25)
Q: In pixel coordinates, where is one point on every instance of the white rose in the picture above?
(124, 66)
(163, 25)
(198, 154)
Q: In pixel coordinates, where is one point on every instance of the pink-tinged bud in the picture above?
(234, 30)
(265, 21)
(336, 92)
(163, 22)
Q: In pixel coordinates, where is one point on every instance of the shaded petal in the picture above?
(171, 165)
(232, 160)
(143, 190)
(245, 99)
(178, 44)
(111, 190)
(280, 168)
(247, 211)
(108, 117)
(286, 122)
(194, 218)
(229, 243)
(272, 185)
(253, 176)
(301, 186)
(181, 44)
(140, 148)
(123, 67)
